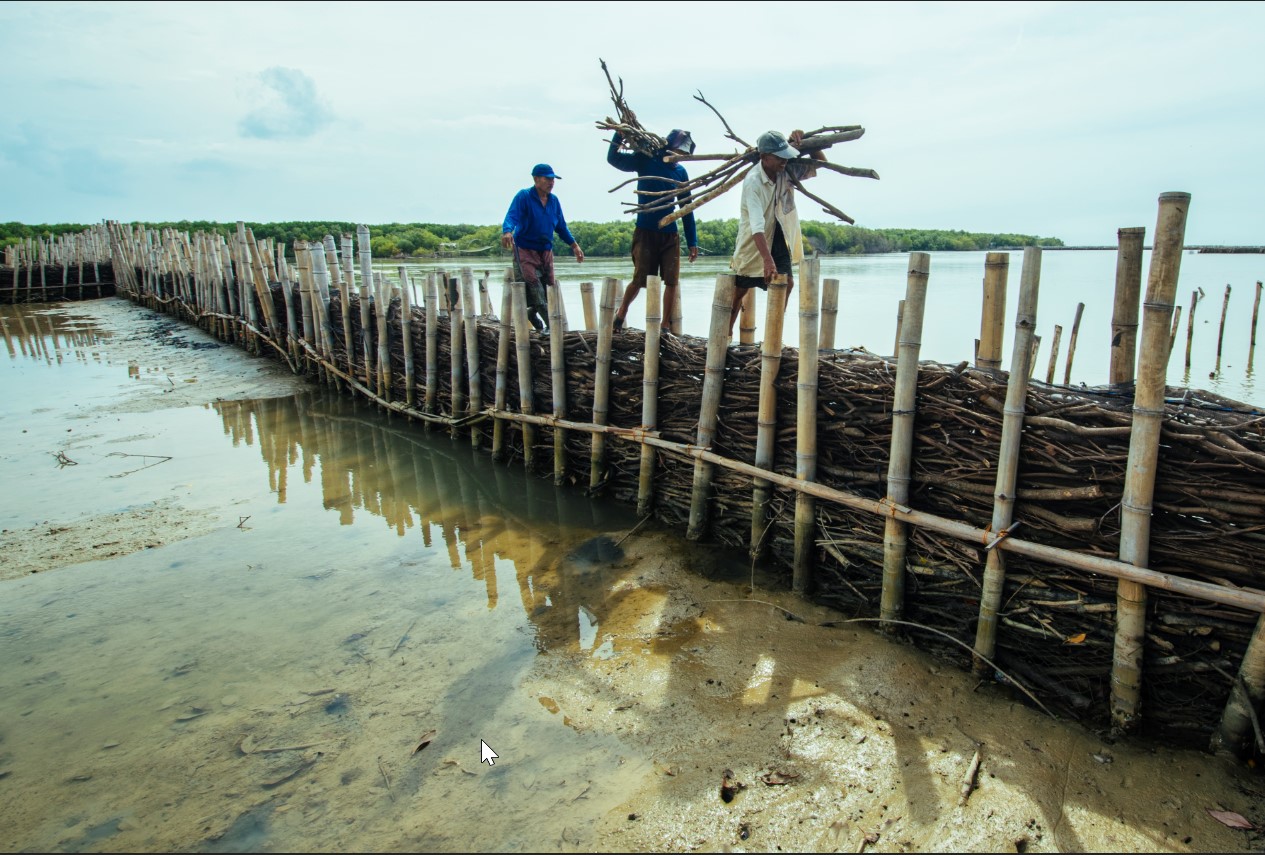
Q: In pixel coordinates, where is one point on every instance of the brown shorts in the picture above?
(656, 254)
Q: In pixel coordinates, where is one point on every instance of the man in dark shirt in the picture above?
(534, 216)
(656, 251)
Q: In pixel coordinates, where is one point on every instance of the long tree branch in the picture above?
(701, 200)
(729, 132)
(826, 206)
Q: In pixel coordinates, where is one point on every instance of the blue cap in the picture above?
(543, 170)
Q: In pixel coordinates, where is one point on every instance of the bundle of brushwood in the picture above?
(733, 168)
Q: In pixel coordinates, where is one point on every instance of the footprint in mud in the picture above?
(600, 550)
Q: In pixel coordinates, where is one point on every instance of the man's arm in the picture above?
(510, 224)
(624, 161)
(803, 169)
(683, 200)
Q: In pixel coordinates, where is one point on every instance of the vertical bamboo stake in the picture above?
(432, 343)
(1036, 348)
(303, 261)
(349, 281)
(558, 383)
(406, 331)
(590, 308)
(366, 284)
(900, 465)
(1124, 313)
(746, 318)
(1225, 305)
(605, 327)
(709, 410)
(485, 299)
(383, 302)
(456, 350)
(900, 316)
(677, 314)
(1008, 455)
(993, 311)
(1172, 334)
(1246, 694)
(522, 349)
(1054, 355)
(1190, 324)
(766, 419)
(806, 424)
(649, 390)
(1256, 308)
(1139, 485)
(502, 374)
(829, 313)
(1071, 344)
(473, 372)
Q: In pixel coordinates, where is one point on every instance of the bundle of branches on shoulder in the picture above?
(733, 167)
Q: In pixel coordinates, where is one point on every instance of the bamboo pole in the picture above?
(522, 349)
(1139, 487)
(1225, 306)
(677, 315)
(456, 351)
(349, 280)
(320, 281)
(473, 371)
(900, 316)
(485, 299)
(829, 313)
(382, 301)
(406, 332)
(605, 327)
(432, 342)
(366, 284)
(806, 423)
(1124, 313)
(1071, 344)
(766, 419)
(1172, 334)
(1008, 457)
(709, 410)
(303, 262)
(993, 311)
(502, 372)
(558, 382)
(1054, 355)
(900, 462)
(1190, 324)
(746, 318)
(649, 391)
(1246, 695)
(1256, 308)
(590, 308)
(1036, 348)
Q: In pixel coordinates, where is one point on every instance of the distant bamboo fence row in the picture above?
(1101, 548)
(68, 267)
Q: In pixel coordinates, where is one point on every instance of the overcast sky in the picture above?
(1056, 119)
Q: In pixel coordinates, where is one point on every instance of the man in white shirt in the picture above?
(769, 240)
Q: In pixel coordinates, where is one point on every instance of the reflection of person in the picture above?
(534, 216)
(769, 240)
(656, 251)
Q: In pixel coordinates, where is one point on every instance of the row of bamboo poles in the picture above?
(73, 266)
(902, 503)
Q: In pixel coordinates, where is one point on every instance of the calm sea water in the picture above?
(872, 286)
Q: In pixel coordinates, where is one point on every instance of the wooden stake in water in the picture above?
(900, 315)
(1225, 306)
(806, 424)
(590, 308)
(382, 307)
(502, 371)
(1071, 344)
(1238, 720)
(522, 350)
(1172, 334)
(766, 419)
(456, 351)
(829, 313)
(746, 318)
(431, 297)
(709, 410)
(900, 462)
(1054, 355)
(650, 392)
(1144, 439)
(366, 307)
(993, 310)
(605, 326)
(1190, 324)
(558, 383)
(1256, 308)
(474, 373)
(1008, 457)
(1124, 313)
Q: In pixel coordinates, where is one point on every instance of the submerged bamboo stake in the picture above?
(1008, 457)
(900, 462)
(605, 327)
(993, 311)
(1054, 355)
(1190, 324)
(502, 372)
(406, 332)
(709, 410)
(649, 392)
(474, 374)
(558, 382)
(1238, 720)
(1139, 486)
(590, 309)
(766, 419)
(746, 318)
(1124, 313)
(1225, 306)
(829, 313)
(522, 350)
(432, 343)
(1071, 344)
(806, 424)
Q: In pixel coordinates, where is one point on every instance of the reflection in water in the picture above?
(37, 334)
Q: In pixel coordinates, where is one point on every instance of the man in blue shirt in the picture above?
(656, 251)
(534, 216)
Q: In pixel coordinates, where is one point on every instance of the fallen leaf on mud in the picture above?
(422, 741)
(457, 764)
(775, 778)
(1230, 819)
(1102, 758)
(1075, 639)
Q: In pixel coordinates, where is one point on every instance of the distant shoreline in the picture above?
(1210, 249)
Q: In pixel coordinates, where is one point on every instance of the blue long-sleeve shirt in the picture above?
(534, 224)
(650, 170)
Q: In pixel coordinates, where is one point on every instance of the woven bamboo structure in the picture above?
(1201, 672)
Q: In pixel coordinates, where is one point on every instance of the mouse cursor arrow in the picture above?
(486, 754)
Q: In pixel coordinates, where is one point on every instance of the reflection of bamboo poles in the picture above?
(766, 419)
(900, 461)
(558, 383)
(1008, 458)
(1071, 343)
(602, 371)
(993, 315)
(1139, 486)
(713, 385)
(1124, 313)
(649, 392)
(502, 373)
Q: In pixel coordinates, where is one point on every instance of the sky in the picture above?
(1062, 120)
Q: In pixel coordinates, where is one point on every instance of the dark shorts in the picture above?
(656, 254)
(534, 267)
(781, 260)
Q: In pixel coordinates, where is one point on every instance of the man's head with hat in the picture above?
(543, 176)
(774, 151)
